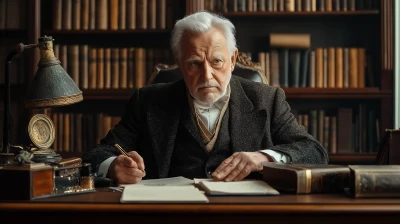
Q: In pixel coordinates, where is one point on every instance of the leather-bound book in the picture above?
(85, 7)
(100, 68)
(123, 68)
(319, 68)
(339, 67)
(107, 68)
(122, 14)
(141, 14)
(306, 178)
(151, 14)
(115, 68)
(374, 181)
(92, 14)
(131, 14)
(76, 15)
(57, 14)
(113, 14)
(161, 8)
(353, 67)
(101, 14)
(283, 40)
(66, 15)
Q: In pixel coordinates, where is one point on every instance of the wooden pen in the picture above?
(125, 154)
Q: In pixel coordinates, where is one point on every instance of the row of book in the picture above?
(318, 68)
(283, 5)
(12, 14)
(343, 130)
(78, 132)
(111, 14)
(110, 68)
(17, 74)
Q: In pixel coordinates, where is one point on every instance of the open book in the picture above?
(183, 190)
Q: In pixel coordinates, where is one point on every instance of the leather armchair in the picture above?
(243, 68)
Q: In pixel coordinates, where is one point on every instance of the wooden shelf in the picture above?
(317, 13)
(106, 32)
(336, 93)
(291, 93)
(353, 158)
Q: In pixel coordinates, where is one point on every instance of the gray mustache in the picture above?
(208, 84)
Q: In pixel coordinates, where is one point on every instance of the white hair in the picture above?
(201, 22)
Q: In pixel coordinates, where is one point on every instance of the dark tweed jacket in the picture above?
(260, 118)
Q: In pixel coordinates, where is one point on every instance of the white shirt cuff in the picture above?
(104, 166)
(276, 156)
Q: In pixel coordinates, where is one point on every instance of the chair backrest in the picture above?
(243, 68)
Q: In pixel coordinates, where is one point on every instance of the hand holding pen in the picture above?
(127, 168)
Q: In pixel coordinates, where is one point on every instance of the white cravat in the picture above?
(209, 114)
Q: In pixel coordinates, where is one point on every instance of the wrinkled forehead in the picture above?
(212, 39)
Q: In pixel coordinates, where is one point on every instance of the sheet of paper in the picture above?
(172, 181)
(170, 194)
(244, 187)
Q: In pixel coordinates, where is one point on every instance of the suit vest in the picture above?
(190, 157)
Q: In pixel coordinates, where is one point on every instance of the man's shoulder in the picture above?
(256, 89)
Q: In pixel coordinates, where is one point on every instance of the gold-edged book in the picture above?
(306, 178)
(374, 181)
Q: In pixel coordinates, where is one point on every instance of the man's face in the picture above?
(206, 64)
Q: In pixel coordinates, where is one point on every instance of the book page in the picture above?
(244, 187)
(170, 194)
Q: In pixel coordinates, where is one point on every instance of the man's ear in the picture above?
(233, 59)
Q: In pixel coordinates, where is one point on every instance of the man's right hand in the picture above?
(127, 170)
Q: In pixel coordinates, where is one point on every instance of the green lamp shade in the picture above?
(51, 85)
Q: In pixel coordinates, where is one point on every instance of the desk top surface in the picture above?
(103, 200)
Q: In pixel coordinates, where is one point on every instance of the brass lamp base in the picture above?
(6, 159)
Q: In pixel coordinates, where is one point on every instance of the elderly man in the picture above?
(208, 124)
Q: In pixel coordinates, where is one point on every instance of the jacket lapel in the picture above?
(163, 121)
(247, 124)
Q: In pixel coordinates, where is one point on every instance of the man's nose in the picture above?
(207, 71)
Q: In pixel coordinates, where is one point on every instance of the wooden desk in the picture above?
(104, 207)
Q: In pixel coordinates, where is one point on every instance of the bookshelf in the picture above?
(369, 28)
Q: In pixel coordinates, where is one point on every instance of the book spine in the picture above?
(370, 184)
(122, 15)
(85, 14)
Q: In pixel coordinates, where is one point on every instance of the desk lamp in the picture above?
(50, 87)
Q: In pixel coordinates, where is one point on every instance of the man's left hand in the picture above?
(240, 165)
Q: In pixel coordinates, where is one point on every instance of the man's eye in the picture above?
(194, 63)
(217, 61)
